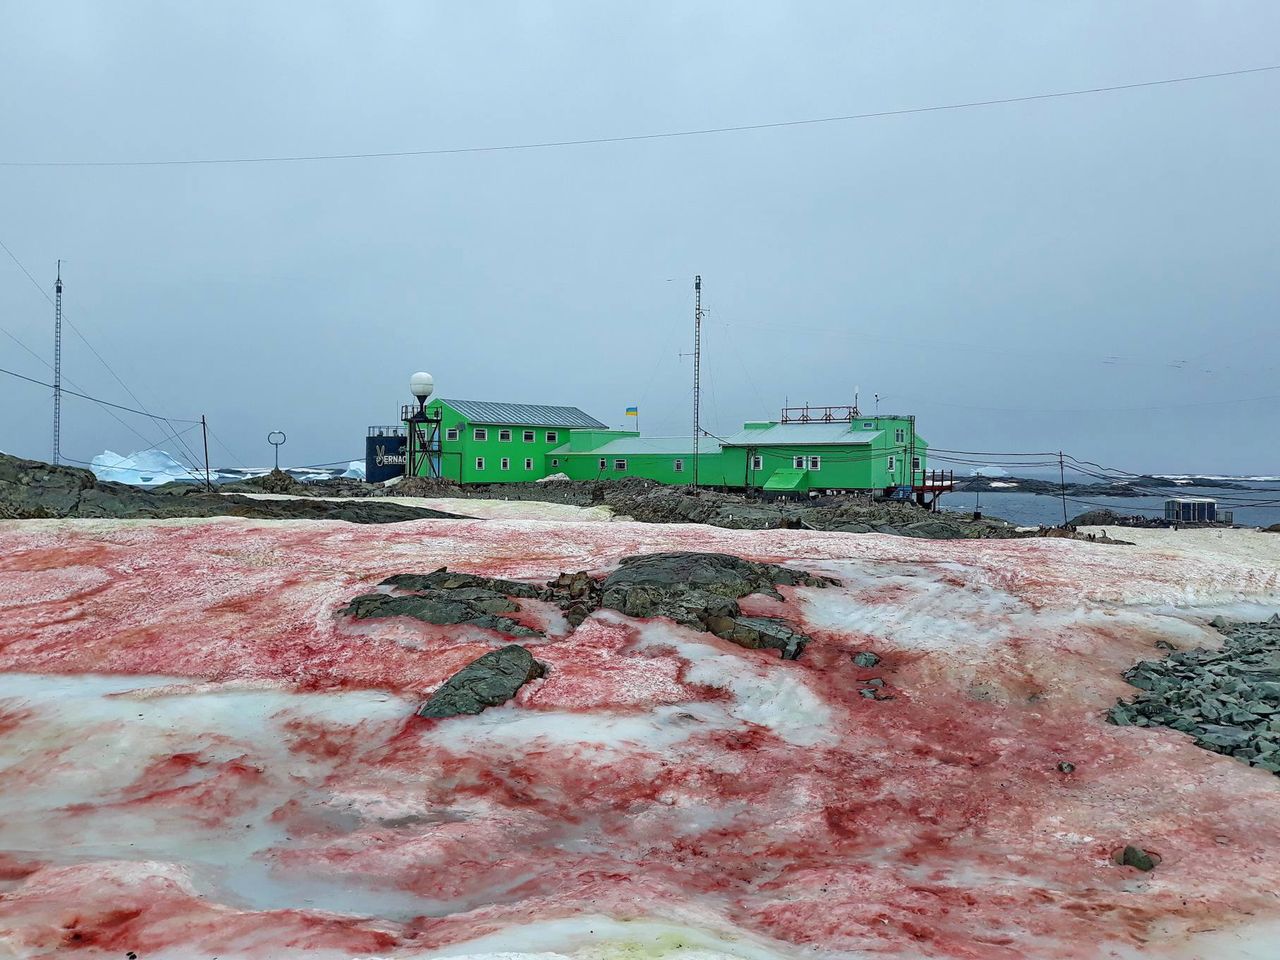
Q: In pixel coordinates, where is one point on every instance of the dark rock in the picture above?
(1227, 700)
(757, 633)
(865, 659)
(478, 608)
(487, 681)
(443, 579)
(701, 590)
(30, 489)
(1132, 856)
(1065, 766)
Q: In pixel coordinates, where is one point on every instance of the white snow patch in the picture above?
(516, 726)
(603, 938)
(767, 693)
(998, 483)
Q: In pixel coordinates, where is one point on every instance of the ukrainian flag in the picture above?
(633, 411)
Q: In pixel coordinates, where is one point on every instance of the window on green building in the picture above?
(553, 437)
(757, 463)
(505, 463)
(480, 433)
(620, 465)
(528, 436)
(892, 463)
(899, 436)
(451, 434)
(504, 436)
(479, 463)
(798, 462)
(604, 464)
(528, 463)
(678, 466)
(815, 463)
(555, 463)
(915, 463)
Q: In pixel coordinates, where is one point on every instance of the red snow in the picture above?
(638, 779)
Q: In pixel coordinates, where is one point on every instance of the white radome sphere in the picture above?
(421, 385)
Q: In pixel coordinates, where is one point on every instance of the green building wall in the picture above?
(578, 453)
(458, 456)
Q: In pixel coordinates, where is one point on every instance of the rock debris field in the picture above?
(1227, 699)
(527, 740)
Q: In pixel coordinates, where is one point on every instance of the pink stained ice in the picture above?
(199, 755)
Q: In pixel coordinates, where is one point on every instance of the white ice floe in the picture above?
(143, 468)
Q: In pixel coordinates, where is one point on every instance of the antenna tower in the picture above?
(57, 367)
(697, 372)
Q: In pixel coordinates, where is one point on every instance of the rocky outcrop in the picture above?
(30, 489)
(1228, 700)
(701, 590)
(445, 598)
(487, 681)
(698, 590)
(445, 579)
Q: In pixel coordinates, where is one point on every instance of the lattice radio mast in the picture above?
(57, 367)
(697, 373)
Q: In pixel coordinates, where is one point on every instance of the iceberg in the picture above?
(354, 471)
(142, 468)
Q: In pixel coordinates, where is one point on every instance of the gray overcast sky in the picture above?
(986, 269)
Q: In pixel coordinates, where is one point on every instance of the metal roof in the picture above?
(801, 434)
(638, 446)
(523, 414)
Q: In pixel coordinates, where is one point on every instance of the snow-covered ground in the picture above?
(200, 758)
(481, 509)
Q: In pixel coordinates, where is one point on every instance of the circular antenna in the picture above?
(421, 385)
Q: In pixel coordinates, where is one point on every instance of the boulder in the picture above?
(487, 681)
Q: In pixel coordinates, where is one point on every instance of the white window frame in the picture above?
(892, 463)
(528, 463)
(451, 434)
(900, 435)
(757, 462)
(555, 463)
(507, 437)
(815, 463)
(480, 434)
(915, 464)
(797, 462)
(553, 437)
(604, 464)
(620, 465)
(528, 436)
(480, 463)
(504, 463)
(677, 465)
(868, 425)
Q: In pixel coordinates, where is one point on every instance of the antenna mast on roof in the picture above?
(697, 372)
(57, 367)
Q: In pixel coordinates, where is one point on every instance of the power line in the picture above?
(632, 138)
(98, 400)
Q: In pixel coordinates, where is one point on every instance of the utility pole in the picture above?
(1062, 488)
(697, 373)
(204, 429)
(57, 367)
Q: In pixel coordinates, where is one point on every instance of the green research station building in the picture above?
(809, 450)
